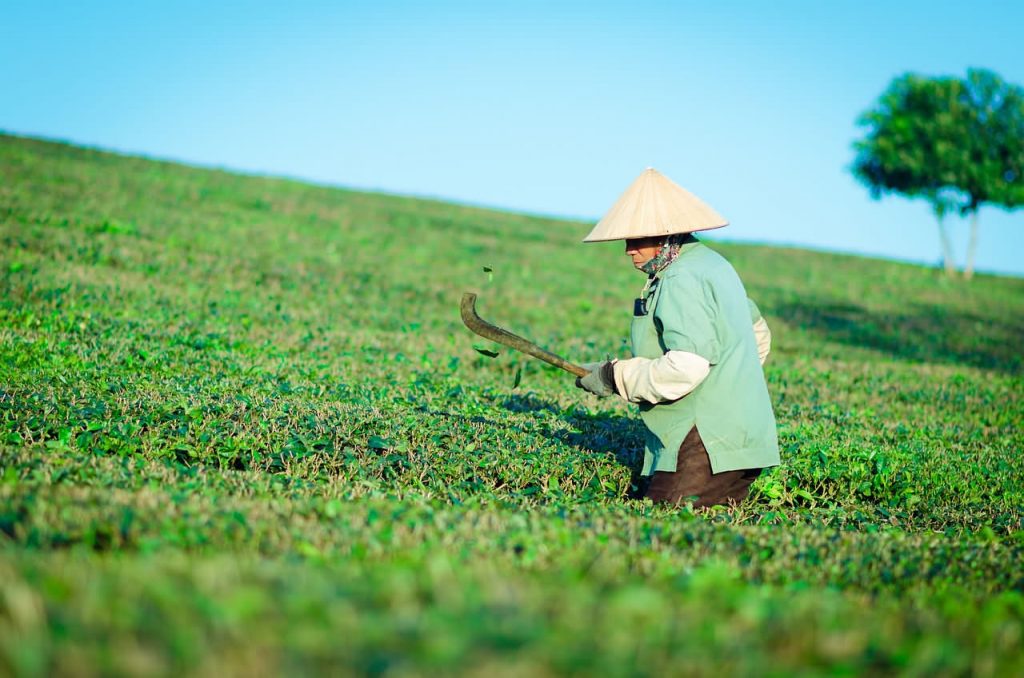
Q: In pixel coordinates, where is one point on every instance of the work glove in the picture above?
(600, 381)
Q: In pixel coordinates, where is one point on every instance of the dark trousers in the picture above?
(693, 480)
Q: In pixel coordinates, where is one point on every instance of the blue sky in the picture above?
(542, 107)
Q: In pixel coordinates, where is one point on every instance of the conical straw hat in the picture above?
(655, 205)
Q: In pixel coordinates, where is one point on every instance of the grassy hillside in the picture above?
(243, 430)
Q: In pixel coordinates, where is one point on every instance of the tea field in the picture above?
(244, 432)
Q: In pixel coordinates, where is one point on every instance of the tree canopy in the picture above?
(956, 142)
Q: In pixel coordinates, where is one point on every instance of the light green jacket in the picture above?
(698, 304)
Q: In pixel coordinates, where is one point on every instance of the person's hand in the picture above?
(600, 381)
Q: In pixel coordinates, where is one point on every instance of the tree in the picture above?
(957, 143)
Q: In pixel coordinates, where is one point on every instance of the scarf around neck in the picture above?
(667, 254)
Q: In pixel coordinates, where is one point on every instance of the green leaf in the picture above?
(485, 351)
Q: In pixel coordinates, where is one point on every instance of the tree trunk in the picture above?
(972, 247)
(947, 248)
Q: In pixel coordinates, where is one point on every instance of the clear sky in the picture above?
(542, 107)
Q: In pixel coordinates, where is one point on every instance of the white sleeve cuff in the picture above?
(763, 335)
(663, 379)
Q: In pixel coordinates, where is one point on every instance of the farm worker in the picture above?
(698, 345)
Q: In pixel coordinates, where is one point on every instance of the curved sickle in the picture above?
(495, 333)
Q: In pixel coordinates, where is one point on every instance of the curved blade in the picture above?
(495, 333)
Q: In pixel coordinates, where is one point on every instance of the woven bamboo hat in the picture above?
(655, 205)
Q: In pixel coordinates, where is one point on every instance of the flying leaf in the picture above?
(518, 378)
(485, 351)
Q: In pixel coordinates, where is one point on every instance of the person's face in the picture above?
(643, 250)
